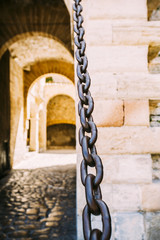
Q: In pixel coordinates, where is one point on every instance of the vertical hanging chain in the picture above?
(87, 139)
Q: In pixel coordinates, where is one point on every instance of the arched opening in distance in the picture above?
(61, 123)
(50, 102)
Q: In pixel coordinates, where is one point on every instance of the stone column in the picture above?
(42, 130)
(34, 141)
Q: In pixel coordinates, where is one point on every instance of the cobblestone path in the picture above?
(39, 204)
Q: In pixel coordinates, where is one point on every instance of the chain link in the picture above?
(87, 138)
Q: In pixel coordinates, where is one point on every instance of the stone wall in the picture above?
(60, 109)
(17, 137)
(4, 114)
(61, 136)
(118, 39)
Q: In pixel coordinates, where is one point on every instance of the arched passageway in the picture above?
(50, 103)
(61, 122)
(38, 37)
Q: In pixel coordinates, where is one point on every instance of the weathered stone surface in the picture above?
(104, 85)
(60, 109)
(156, 166)
(98, 32)
(138, 86)
(133, 10)
(136, 113)
(113, 59)
(126, 197)
(35, 48)
(135, 33)
(108, 113)
(129, 226)
(17, 144)
(125, 86)
(127, 168)
(152, 225)
(128, 140)
(151, 197)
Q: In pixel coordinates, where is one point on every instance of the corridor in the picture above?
(39, 203)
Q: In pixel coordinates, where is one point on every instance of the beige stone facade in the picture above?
(119, 37)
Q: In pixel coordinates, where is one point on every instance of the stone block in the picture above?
(127, 168)
(129, 226)
(126, 197)
(108, 113)
(128, 140)
(104, 85)
(118, 59)
(98, 32)
(136, 113)
(115, 9)
(135, 33)
(138, 86)
(151, 197)
(152, 221)
(107, 85)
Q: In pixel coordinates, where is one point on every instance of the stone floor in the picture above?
(39, 203)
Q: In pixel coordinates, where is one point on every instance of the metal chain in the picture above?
(87, 139)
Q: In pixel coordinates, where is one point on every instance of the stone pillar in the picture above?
(34, 140)
(42, 130)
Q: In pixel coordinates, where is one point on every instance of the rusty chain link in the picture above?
(87, 138)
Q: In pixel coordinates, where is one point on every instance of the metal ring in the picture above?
(92, 194)
(85, 151)
(83, 121)
(79, 73)
(85, 64)
(106, 220)
(99, 171)
(93, 137)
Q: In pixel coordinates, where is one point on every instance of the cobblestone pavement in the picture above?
(39, 204)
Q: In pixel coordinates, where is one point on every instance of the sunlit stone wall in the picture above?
(118, 35)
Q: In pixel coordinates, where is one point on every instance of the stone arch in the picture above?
(50, 17)
(41, 68)
(61, 122)
(49, 66)
(27, 35)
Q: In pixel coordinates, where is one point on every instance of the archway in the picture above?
(32, 31)
(61, 122)
(40, 94)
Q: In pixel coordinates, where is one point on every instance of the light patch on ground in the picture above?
(33, 160)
